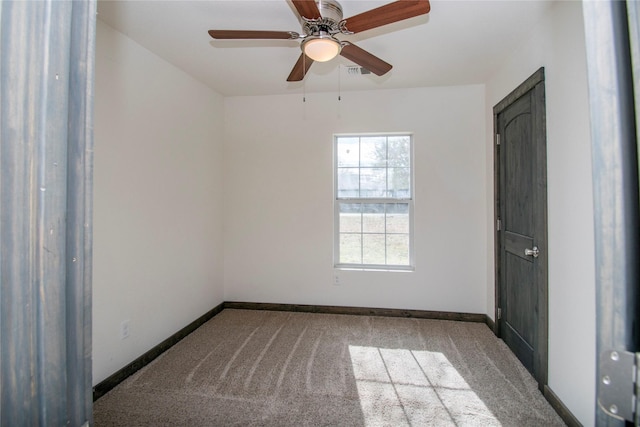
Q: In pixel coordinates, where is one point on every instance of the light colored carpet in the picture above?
(268, 368)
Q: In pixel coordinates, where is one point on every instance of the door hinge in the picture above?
(499, 313)
(498, 225)
(497, 139)
(618, 388)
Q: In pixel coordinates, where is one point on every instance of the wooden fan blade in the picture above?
(307, 9)
(387, 14)
(242, 34)
(363, 58)
(300, 69)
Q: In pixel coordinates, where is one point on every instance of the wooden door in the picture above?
(521, 258)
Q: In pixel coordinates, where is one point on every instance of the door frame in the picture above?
(541, 351)
(46, 212)
(612, 36)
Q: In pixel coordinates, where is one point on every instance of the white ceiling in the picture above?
(459, 42)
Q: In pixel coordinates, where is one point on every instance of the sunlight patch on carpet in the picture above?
(406, 387)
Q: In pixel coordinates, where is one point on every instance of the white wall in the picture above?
(278, 198)
(557, 43)
(158, 196)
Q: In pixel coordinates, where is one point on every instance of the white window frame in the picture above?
(388, 200)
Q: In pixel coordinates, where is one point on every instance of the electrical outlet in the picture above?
(336, 280)
(124, 329)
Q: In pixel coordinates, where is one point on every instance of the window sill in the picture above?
(375, 269)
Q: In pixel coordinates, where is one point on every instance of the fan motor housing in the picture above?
(330, 9)
(330, 21)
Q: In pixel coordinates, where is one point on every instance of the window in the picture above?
(374, 201)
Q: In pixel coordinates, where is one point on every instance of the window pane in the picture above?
(399, 151)
(372, 169)
(398, 249)
(373, 151)
(373, 218)
(348, 151)
(348, 182)
(373, 250)
(373, 182)
(398, 218)
(399, 183)
(350, 218)
(350, 248)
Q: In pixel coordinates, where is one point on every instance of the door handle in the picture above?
(532, 252)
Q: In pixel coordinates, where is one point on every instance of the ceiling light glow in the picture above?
(322, 48)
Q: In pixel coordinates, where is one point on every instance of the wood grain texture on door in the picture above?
(521, 209)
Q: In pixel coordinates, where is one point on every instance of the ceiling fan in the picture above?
(322, 21)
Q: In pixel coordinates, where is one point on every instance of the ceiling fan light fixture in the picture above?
(321, 48)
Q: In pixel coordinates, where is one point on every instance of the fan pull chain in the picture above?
(339, 106)
(304, 87)
(339, 85)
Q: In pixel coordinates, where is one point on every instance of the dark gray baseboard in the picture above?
(559, 407)
(103, 387)
(359, 311)
(490, 323)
